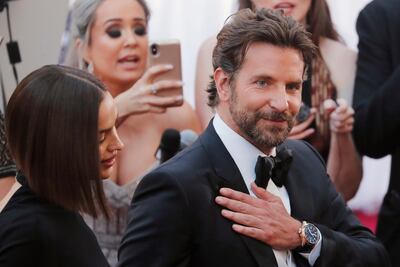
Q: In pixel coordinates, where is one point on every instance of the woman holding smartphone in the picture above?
(110, 40)
(60, 124)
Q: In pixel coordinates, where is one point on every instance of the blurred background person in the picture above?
(375, 102)
(64, 142)
(109, 38)
(7, 165)
(328, 127)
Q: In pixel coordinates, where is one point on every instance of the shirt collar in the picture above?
(244, 153)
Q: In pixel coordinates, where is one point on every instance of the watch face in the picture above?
(311, 233)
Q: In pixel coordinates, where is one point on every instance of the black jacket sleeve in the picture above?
(158, 231)
(376, 91)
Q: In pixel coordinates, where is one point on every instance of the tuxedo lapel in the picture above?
(298, 188)
(226, 174)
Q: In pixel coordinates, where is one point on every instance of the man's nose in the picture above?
(279, 99)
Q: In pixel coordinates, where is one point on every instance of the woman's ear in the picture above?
(222, 84)
(82, 50)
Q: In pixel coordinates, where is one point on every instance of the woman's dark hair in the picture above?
(319, 21)
(52, 130)
(247, 27)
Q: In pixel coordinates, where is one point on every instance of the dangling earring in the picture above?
(90, 67)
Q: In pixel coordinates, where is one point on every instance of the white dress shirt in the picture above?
(245, 156)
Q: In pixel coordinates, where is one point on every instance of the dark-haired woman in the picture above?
(60, 124)
(329, 127)
(111, 40)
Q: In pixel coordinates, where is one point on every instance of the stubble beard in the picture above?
(250, 124)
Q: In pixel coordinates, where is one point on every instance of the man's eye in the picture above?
(140, 31)
(114, 33)
(294, 87)
(261, 84)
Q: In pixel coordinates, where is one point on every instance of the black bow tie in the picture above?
(276, 168)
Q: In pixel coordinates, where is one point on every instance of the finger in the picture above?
(303, 125)
(234, 205)
(164, 101)
(342, 102)
(341, 123)
(343, 129)
(343, 106)
(167, 84)
(329, 106)
(346, 128)
(249, 231)
(261, 193)
(240, 218)
(302, 135)
(156, 70)
(148, 108)
(158, 110)
(342, 117)
(236, 195)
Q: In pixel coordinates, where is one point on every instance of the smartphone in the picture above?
(167, 52)
(303, 114)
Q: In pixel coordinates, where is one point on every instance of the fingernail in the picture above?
(169, 66)
(179, 98)
(235, 227)
(218, 199)
(223, 191)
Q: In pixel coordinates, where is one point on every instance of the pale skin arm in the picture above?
(5, 185)
(344, 164)
(140, 97)
(263, 217)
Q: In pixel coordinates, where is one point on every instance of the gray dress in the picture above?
(109, 233)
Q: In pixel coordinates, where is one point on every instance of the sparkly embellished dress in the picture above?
(109, 233)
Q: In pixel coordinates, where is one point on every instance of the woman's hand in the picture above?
(302, 130)
(142, 96)
(341, 116)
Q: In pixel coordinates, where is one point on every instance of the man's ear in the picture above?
(83, 50)
(222, 84)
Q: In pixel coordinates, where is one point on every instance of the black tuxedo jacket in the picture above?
(174, 220)
(376, 101)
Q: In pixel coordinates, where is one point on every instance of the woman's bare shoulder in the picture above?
(341, 62)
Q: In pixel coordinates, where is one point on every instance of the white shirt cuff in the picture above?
(314, 253)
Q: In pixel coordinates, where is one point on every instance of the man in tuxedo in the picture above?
(202, 207)
(377, 89)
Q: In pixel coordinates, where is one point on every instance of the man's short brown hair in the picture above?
(246, 27)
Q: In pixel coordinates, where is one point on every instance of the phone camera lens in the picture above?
(154, 49)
